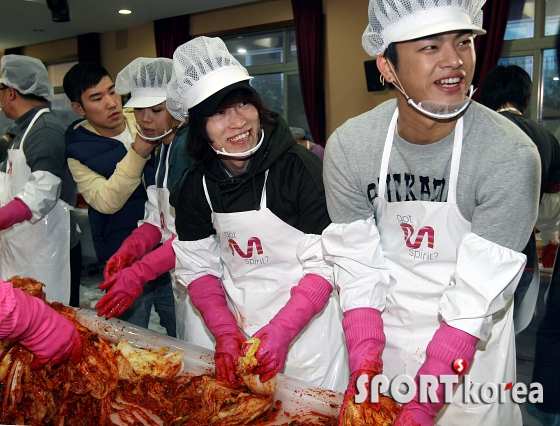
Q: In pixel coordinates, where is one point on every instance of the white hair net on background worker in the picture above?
(437, 168)
(248, 179)
(146, 80)
(27, 75)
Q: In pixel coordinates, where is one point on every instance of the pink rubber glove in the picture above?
(16, 211)
(307, 299)
(549, 255)
(447, 345)
(209, 298)
(127, 284)
(139, 242)
(39, 328)
(365, 340)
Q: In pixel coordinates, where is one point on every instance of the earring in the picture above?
(382, 79)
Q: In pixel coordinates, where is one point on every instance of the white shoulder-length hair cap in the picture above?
(392, 21)
(201, 67)
(146, 80)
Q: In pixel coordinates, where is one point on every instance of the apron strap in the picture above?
(455, 158)
(164, 158)
(206, 192)
(263, 195)
(33, 120)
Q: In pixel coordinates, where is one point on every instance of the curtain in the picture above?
(489, 46)
(171, 33)
(14, 51)
(308, 19)
(89, 48)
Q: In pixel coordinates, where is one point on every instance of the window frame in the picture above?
(287, 67)
(533, 47)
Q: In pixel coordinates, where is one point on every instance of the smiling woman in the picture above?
(254, 203)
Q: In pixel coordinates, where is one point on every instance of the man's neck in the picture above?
(21, 108)
(109, 133)
(416, 128)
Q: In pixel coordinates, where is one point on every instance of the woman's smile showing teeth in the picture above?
(240, 137)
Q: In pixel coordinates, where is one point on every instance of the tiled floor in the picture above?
(92, 275)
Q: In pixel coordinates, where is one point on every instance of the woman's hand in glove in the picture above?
(228, 351)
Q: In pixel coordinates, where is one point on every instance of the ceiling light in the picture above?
(125, 12)
(241, 50)
(556, 78)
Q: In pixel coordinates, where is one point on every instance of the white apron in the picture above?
(421, 266)
(40, 250)
(258, 251)
(166, 224)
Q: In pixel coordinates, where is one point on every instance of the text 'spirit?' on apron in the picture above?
(40, 250)
(421, 266)
(259, 253)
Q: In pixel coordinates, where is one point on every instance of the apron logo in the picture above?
(253, 241)
(9, 171)
(162, 220)
(425, 230)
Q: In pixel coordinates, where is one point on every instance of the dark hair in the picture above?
(505, 84)
(198, 143)
(81, 77)
(31, 97)
(391, 55)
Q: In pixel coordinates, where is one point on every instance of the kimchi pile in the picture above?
(119, 385)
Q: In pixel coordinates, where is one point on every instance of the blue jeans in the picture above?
(521, 289)
(157, 292)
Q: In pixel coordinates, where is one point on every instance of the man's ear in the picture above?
(385, 69)
(78, 108)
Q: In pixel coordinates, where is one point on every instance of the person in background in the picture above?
(125, 274)
(249, 216)
(299, 135)
(112, 166)
(40, 238)
(438, 169)
(45, 333)
(547, 346)
(507, 90)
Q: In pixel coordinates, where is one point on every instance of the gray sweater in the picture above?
(498, 183)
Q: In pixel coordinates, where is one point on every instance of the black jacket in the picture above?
(294, 188)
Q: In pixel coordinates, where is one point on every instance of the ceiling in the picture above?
(25, 22)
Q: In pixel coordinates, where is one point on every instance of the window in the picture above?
(271, 58)
(60, 107)
(530, 43)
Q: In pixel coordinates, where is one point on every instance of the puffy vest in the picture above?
(101, 155)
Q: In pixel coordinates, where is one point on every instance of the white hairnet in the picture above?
(401, 20)
(27, 75)
(146, 80)
(201, 67)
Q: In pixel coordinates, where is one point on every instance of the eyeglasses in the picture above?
(3, 87)
(242, 111)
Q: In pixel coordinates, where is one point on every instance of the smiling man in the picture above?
(113, 167)
(460, 184)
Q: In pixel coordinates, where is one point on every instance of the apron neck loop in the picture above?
(455, 161)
